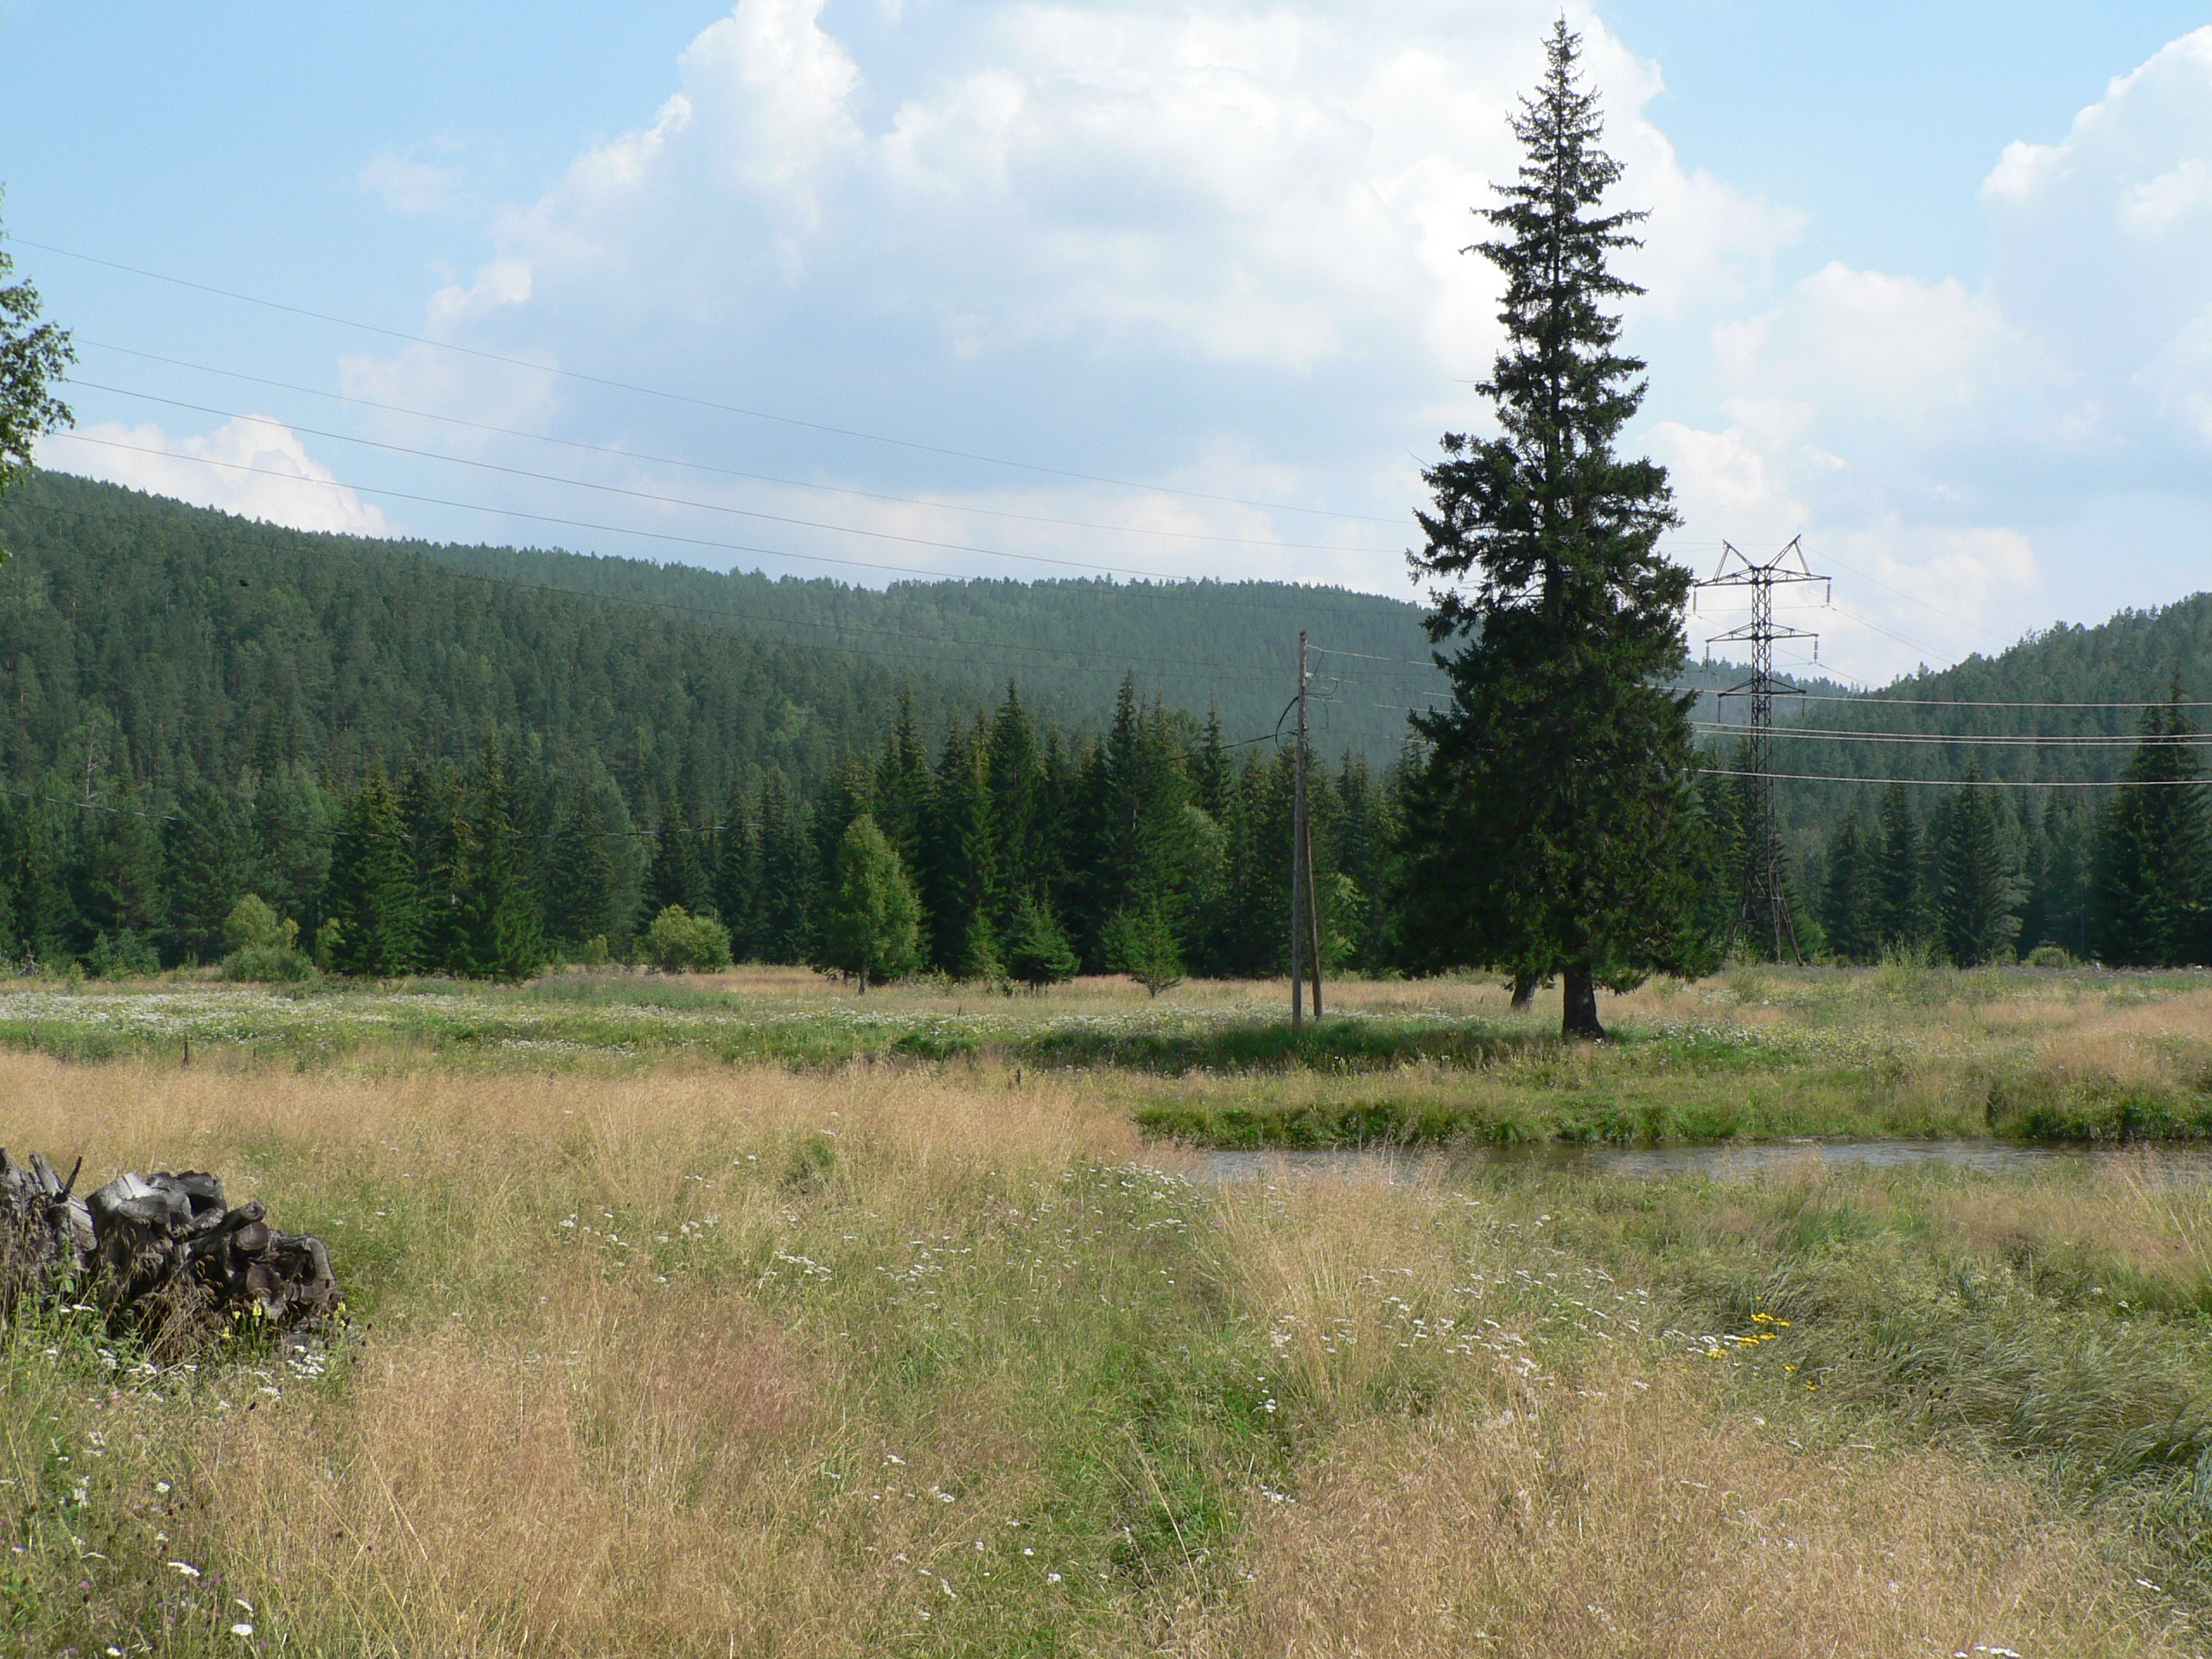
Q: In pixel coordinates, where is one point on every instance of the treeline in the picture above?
(210, 643)
(145, 644)
(1980, 874)
(1002, 847)
(1029, 852)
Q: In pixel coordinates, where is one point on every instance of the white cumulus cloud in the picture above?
(1211, 242)
(253, 466)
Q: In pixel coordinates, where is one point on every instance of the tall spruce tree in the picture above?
(901, 796)
(2066, 838)
(583, 900)
(208, 855)
(372, 897)
(1847, 911)
(115, 880)
(291, 827)
(2148, 880)
(1899, 888)
(1545, 832)
(1977, 886)
(678, 875)
(957, 869)
(509, 939)
(785, 924)
(737, 875)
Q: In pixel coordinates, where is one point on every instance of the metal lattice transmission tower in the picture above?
(1763, 914)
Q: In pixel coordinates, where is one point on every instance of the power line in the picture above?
(2118, 740)
(653, 496)
(1082, 660)
(1968, 782)
(513, 512)
(1876, 699)
(620, 453)
(616, 529)
(685, 397)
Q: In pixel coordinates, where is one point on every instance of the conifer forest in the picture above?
(784, 1082)
(483, 777)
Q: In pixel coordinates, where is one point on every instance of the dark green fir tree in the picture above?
(677, 875)
(1847, 906)
(1545, 834)
(372, 900)
(957, 867)
(737, 875)
(1978, 889)
(207, 850)
(2148, 877)
(788, 875)
(1899, 883)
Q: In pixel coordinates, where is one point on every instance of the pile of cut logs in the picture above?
(162, 1255)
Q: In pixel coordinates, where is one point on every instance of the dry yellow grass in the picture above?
(1627, 1520)
(699, 1361)
(1581, 1498)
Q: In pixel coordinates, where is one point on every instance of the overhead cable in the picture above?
(686, 398)
(618, 452)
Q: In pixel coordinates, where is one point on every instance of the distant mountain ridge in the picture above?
(208, 642)
(1200, 645)
(202, 643)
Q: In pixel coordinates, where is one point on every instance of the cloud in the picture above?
(1195, 241)
(1221, 243)
(410, 186)
(253, 466)
(1988, 442)
(2103, 240)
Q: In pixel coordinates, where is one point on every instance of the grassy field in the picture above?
(1760, 1054)
(825, 1353)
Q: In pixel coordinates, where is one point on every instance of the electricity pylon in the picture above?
(1763, 913)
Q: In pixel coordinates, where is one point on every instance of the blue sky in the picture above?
(1928, 285)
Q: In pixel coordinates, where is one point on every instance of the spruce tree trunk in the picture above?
(1524, 991)
(1579, 1012)
(863, 974)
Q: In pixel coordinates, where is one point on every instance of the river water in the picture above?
(1723, 1161)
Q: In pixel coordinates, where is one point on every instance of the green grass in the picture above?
(1004, 1352)
(1760, 1054)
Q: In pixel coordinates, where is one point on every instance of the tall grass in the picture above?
(1764, 1053)
(696, 1360)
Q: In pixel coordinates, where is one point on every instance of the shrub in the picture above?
(267, 961)
(252, 925)
(1037, 952)
(113, 956)
(2048, 956)
(263, 945)
(679, 943)
(1142, 944)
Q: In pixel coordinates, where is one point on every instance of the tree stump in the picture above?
(162, 1254)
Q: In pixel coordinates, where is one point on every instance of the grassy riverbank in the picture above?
(2075, 1056)
(869, 1360)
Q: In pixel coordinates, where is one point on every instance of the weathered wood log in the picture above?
(42, 1229)
(162, 1254)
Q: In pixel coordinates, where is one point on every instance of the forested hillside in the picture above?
(1231, 646)
(550, 751)
(1995, 708)
(145, 644)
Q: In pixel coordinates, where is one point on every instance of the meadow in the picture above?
(660, 1343)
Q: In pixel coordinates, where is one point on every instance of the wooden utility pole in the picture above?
(1305, 903)
(1305, 837)
(1298, 859)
